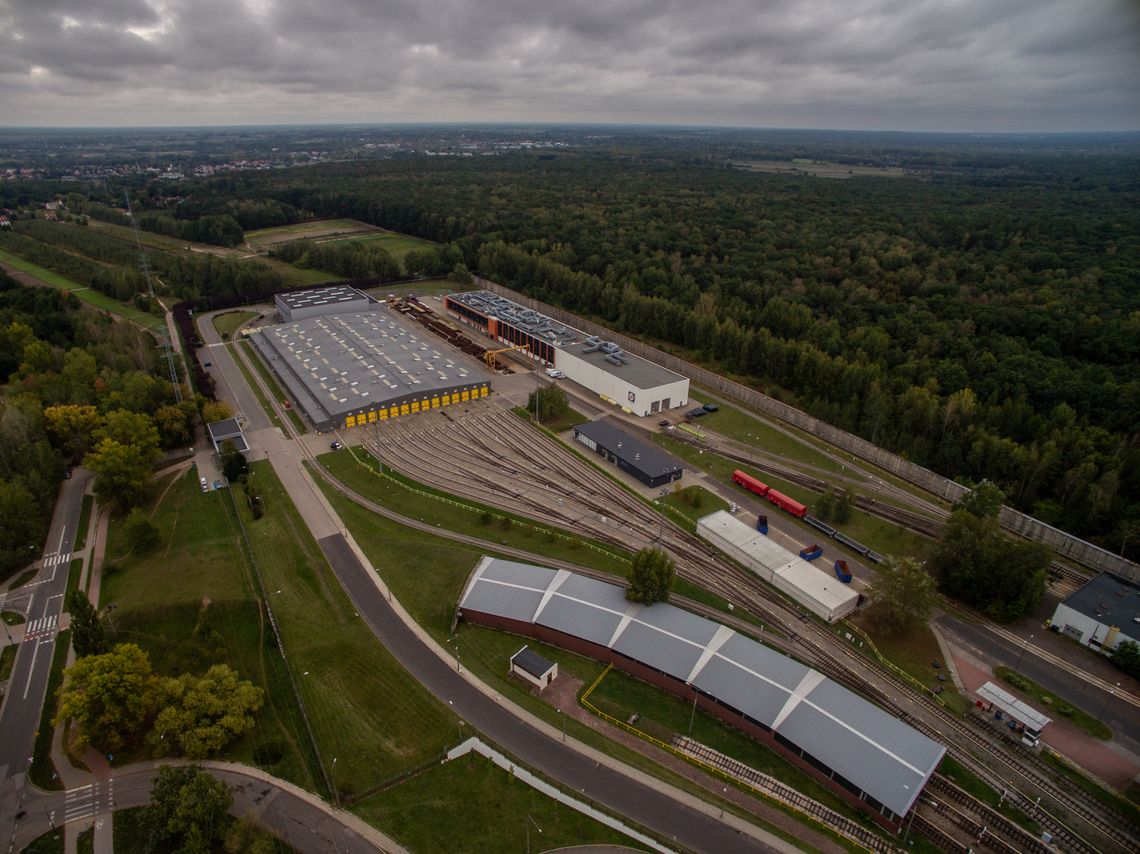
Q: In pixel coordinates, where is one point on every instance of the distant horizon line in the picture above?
(563, 124)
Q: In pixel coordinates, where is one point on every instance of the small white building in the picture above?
(1103, 614)
(820, 592)
(532, 667)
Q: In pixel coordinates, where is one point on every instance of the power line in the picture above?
(164, 339)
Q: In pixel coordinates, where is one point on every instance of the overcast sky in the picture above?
(985, 65)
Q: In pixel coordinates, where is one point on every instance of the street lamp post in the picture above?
(530, 821)
(1021, 655)
(1107, 700)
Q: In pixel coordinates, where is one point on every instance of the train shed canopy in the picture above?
(1014, 708)
(820, 592)
(359, 367)
(878, 756)
(645, 461)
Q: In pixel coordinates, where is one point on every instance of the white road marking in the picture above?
(31, 670)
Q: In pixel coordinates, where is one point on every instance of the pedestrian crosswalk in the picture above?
(57, 559)
(89, 800)
(42, 627)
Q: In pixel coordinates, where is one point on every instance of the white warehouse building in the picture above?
(634, 384)
(1102, 614)
(822, 594)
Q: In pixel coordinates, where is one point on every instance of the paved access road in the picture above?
(20, 716)
(643, 804)
(296, 817)
(657, 808)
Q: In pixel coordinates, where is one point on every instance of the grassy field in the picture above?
(190, 604)
(227, 323)
(7, 659)
(51, 842)
(914, 652)
(694, 502)
(474, 519)
(265, 237)
(820, 169)
(398, 245)
(366, 711)
(487, 810)
(84, 522)
(81, 292)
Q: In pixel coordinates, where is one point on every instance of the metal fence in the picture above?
(1066, 545)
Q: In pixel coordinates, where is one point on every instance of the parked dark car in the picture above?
(710, 407)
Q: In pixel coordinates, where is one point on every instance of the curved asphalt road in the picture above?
(297, 817)
(647, 806)
(654, 808)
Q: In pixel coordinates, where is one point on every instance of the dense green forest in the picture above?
(75, 386)
(980, 317)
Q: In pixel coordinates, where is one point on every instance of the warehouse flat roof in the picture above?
(641, 455)
(327, 295)
(606, 356)
(875, 751)
(360, 360)
(1111, 600)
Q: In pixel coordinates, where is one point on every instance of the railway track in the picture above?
(928, 522)
(805, 639)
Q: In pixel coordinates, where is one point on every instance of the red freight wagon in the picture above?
(750, 483)
(789, 504)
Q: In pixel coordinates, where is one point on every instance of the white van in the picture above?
(554, 373)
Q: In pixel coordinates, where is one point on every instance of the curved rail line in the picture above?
(736, 586)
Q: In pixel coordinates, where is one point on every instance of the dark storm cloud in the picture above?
(944, 64)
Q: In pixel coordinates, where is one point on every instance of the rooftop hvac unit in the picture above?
(610, 347)
(614, 359)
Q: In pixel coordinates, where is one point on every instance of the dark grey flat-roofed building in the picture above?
(227, 430)
(1102, 614)
(348, 370)
(858, 748)
(314, 302)
(645, 461)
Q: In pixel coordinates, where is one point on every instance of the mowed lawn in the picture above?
(366, 710)
(191, 603)
(265, 237)
(398, 245)
(486, 809)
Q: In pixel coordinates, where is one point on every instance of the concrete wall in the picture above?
(1064, 544)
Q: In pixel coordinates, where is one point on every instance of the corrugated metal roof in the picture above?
(880, 754)
(663, 651)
